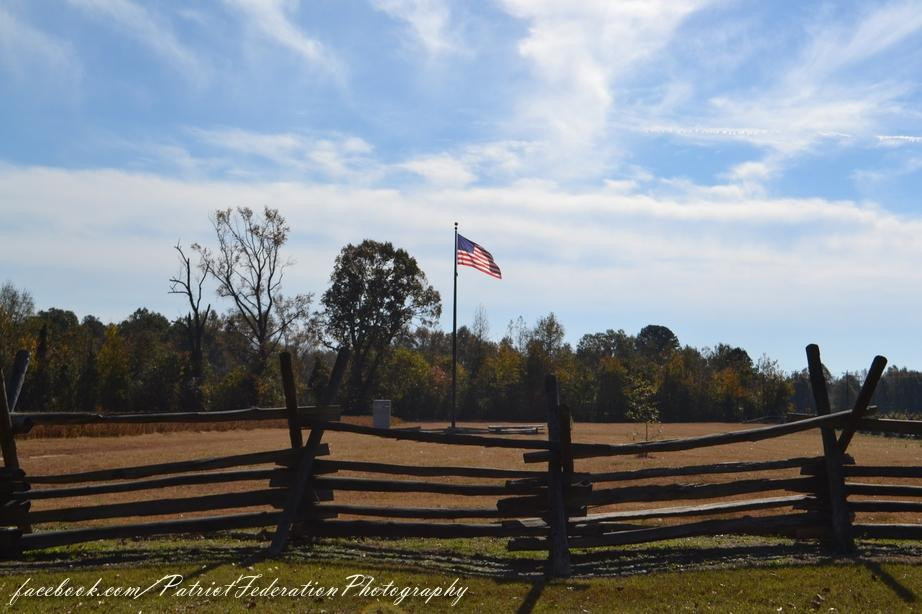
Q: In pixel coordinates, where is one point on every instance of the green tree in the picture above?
(610, 344)
(114, 372)
(16, 307)
(549, 334)
(376, 291)
(733, 382)
(501, 379)
(773, 388)
(155, 365)
(641, 404)
(656, 343)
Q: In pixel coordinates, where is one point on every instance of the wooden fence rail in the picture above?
(592, 450)
(552, 509)
(24, 422)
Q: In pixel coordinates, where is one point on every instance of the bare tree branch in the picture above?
(195, 321)
(249, 269)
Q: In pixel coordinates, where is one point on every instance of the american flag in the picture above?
(471, 254)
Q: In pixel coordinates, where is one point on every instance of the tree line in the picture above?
(380, 306)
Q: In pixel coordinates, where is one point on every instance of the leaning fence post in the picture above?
(336, 376)
(558, 550)
(17, 377)
(291, 400)
(291, 411)
(7, 442)
(832, 453)
(861, 403)
(297, 491)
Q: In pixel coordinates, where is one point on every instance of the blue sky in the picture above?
(742, 172)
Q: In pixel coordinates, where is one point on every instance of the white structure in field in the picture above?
(381, 413)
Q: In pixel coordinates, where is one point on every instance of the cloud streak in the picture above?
(151, 31)
(580, 51)
(29, 55)
(717, 165)
(429, 21)
(272, 20)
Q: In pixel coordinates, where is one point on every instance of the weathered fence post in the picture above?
(7, 442)
(17, 377)
(558, 550)
(336, 376)
(566, 449)
(8, 446)
(297, 491)
(832, 453)
(291, 400)
(861, 403)
(299, 485)
(294, 426)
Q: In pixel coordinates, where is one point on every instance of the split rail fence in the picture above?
(552, 507)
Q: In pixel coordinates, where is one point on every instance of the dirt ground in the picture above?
(62, 455)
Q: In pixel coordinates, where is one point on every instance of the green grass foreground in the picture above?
(777, 585)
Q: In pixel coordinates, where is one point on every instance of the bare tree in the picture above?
(248, 268)
(190, 286)
(481, 325)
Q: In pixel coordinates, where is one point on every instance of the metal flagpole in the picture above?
(454, 334)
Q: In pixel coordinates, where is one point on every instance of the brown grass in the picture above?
(70, 431)
(65, 455)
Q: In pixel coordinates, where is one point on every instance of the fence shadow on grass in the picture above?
(249, 549)
(905, 594)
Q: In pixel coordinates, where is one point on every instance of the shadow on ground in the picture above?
(247, 549)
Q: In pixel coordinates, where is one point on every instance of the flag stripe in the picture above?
(472, 255)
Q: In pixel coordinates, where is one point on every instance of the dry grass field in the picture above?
(55, 455)
(722, 573)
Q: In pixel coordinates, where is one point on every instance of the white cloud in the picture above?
(813, 98)
(271, 19)
(440, 170)
(752, 175)
(579, 50)
(899, 139)
(640, 228)
(152, 32)
(337, 157)
(835, 47)
(428, 20)
(906, 166)
(601, 257)
(499, 161)
(31, 56)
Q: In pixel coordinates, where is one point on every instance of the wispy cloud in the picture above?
(586, 242)
(664, 159)
(150, 30)
(441, 170)
(332, 157)
(28, 55)
(429, 21)
(272, 19)
(838, 46)
(899, 139)
(579, 50)
(814, 98)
